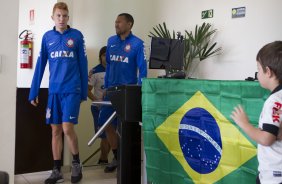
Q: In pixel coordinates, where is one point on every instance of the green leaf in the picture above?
(161, 31)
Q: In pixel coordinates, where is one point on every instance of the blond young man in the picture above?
(63, 47)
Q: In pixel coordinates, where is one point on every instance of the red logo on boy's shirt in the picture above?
(275, 114)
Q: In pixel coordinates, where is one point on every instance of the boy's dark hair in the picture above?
(101, 52)
(128, 18)
(270, 56)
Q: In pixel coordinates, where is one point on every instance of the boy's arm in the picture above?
(261, 137)
(91, 82)
(90, 94)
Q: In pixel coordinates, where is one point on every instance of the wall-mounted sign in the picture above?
(207, 14)
(238, 12)
(31, 17)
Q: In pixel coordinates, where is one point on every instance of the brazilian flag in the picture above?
(189, 136)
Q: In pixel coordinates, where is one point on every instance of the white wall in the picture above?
(240, 38)
(42, 23)
(8, 53)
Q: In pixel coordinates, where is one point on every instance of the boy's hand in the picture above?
(104, 93)
(239, 116)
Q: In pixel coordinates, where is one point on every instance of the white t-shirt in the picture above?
(96, 79)
(270, 157)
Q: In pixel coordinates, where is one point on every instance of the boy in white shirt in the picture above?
(96, 80)
(269, 63)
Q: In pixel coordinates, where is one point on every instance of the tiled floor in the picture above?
(91, 175)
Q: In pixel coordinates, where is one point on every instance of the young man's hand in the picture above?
(35, 102)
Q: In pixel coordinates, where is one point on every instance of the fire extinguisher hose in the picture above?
(26, 35)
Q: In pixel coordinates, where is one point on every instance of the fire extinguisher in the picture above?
(26, 49)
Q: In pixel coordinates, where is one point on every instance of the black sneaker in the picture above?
(55, 177)
(76, 172)
(102, 162)
(111, 167)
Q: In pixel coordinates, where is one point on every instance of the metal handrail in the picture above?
(109, 120)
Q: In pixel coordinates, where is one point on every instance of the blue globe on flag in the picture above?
(200, 140)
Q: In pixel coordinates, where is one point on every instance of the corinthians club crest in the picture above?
(70, 42)
(127, 48)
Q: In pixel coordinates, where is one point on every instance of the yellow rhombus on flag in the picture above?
(207, 151)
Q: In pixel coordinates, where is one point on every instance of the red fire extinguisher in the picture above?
(26, 49)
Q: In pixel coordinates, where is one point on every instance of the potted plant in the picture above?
(198, 45)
